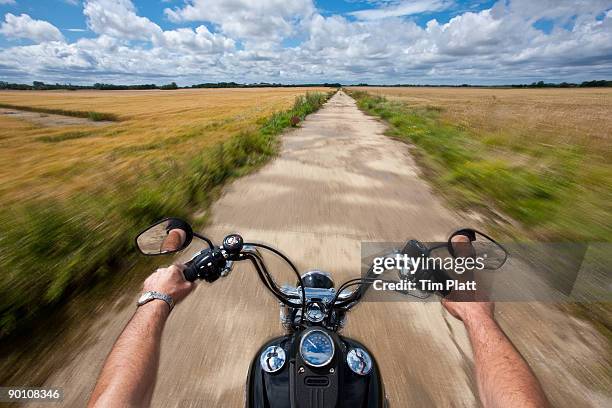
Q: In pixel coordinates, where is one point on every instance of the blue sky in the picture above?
(293, 41)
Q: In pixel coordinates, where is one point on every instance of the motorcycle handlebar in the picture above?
(190, 273)
(211, 263)
(207, 265)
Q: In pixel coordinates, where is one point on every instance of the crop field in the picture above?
(76, 189)
(51, 160)
(539, 156)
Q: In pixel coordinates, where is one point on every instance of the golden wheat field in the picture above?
(49, 157)
(553, 116)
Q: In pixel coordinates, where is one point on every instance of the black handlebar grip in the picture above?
(191, 273)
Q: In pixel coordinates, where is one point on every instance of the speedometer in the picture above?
(317, 348)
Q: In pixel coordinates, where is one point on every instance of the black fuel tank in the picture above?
(297, 385)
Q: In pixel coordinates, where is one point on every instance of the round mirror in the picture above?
(165, 237)
(469, 243)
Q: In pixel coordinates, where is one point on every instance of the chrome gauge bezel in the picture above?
(331, 341)
(280, 355)
(368, 361)
(311, 308)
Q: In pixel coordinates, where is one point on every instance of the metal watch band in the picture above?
(153, 295)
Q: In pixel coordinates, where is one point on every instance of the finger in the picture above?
(180, 273)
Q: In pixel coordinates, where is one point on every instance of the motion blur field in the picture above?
(153, 126)
(537, 156)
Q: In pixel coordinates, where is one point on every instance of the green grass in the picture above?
(93, 116)
(50, 250)
(557, 193)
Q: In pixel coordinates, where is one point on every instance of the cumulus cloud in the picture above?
(24, 26)
(197, 40)
(118, 18)
(247, 20)
(243, 41)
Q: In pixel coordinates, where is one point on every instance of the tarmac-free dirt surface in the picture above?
(51, 120)
(337, 182)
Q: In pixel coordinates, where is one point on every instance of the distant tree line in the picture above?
(262, 85)
(540, 84)
(42, 86)
(38, 85)
(585, 84)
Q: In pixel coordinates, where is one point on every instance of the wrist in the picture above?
(156, 307)
(477, 319)
(150, 296)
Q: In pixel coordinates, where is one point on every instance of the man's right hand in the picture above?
(456, 303)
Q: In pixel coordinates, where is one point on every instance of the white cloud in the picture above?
(118, 18)
(7, 2)
(24, 26)
(197, 40)
(402, 8)
(251, 21)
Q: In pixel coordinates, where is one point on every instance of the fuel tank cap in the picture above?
(359, 361)
(272, 359)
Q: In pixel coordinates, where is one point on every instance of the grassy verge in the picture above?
(93, 116)
(556, 193)
(51, 250)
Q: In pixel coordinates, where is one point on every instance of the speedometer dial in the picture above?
(317, 348)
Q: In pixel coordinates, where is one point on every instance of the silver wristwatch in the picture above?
(152, 295)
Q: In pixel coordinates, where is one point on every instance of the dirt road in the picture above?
(337, 182)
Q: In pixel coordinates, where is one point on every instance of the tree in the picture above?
(171, 85)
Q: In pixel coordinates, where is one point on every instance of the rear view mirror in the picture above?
(477, 245)
(165, 237)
